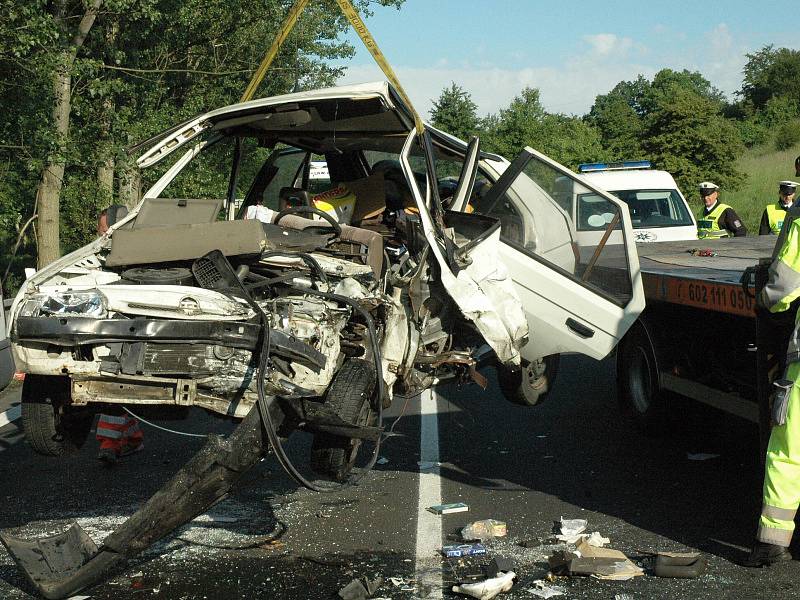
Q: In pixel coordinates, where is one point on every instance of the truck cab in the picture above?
(659, 212)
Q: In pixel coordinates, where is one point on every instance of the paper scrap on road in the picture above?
(596, 540)
(571, 529)
(601, 563)
(446, 509)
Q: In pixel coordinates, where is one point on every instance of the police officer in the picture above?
(718, 220)
(772, 218)
(781, 493)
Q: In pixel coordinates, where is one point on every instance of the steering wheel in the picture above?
(291, 210)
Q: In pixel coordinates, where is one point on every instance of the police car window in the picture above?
(655, 208)
(594, 213)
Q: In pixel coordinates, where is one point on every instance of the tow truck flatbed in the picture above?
(675, 273)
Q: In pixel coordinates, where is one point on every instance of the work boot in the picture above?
(107, 456)
(764, 554)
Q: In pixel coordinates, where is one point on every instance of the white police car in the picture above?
(659, 212)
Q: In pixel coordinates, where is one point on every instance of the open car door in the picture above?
(576, 298)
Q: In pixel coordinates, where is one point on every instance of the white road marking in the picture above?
(12, 414)
(428, 565)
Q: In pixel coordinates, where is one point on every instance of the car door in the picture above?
(577, 297)
(6, 360)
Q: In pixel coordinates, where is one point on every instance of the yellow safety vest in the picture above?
(776, 214)
(708, 226)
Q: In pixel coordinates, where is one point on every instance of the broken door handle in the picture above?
(579, 328)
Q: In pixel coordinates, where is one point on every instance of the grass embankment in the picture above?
(764, 167)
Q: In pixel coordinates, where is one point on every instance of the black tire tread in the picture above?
(351, 387)
(41, 394)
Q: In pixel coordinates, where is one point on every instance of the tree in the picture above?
(769, 73)
(569, 140)
(686, 135)
(619, 125)
(455, 112)
(142, 67)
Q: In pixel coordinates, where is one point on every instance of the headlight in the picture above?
(90, 303)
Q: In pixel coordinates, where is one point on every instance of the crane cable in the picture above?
(357, 23)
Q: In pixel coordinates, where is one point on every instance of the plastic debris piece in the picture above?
(623, 597)
(701, 456)
(382, 461)
(680, 565)
(446, 509)
(372, 585)
(459, 550)
(354, 590)
(570, 530)
(487, 589)
(500, 564)
(484, 530)
(207, 518)
(542, 590)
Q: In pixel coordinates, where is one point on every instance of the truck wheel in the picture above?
(52, 427)
(638, 388)
(349, 396)
(529, 385)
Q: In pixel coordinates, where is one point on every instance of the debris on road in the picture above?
(382, 461)
(360, 589)
(623, 597)
(542, 590)
(601, 563)
(680, 565)
(596, 540)
(570, 530)
(499, 565)
(487, 589)
(446, 509)
(459, 550)
(701, 456)
(484, 530)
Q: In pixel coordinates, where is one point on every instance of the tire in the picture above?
(349, 395)
(639, 392)
(531, 384)
(52, 427)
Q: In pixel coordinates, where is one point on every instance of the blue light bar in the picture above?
(615, 166)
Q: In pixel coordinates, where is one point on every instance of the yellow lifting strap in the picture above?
(361, 29)
(287, 27)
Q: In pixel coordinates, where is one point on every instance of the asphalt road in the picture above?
(572, 457)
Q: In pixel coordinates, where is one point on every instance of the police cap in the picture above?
(707, 188)
(788, 187)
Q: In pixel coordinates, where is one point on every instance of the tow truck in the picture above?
(702, 334)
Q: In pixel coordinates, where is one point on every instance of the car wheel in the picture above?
(349, 396)
(52, 427)
(639, 391)
(529, 385)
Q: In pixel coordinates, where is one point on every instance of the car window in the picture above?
(538, 206)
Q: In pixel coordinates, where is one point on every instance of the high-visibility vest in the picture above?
(708, 226)
(776, 214)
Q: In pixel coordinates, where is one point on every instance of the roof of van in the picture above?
(633, 179)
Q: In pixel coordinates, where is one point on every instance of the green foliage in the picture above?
(145, 66)
(619, 125)
(788, 135)
(455, 113)
(686, 135)
(569, 140)
(771, 73)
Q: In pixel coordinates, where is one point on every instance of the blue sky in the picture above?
(571, 51)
